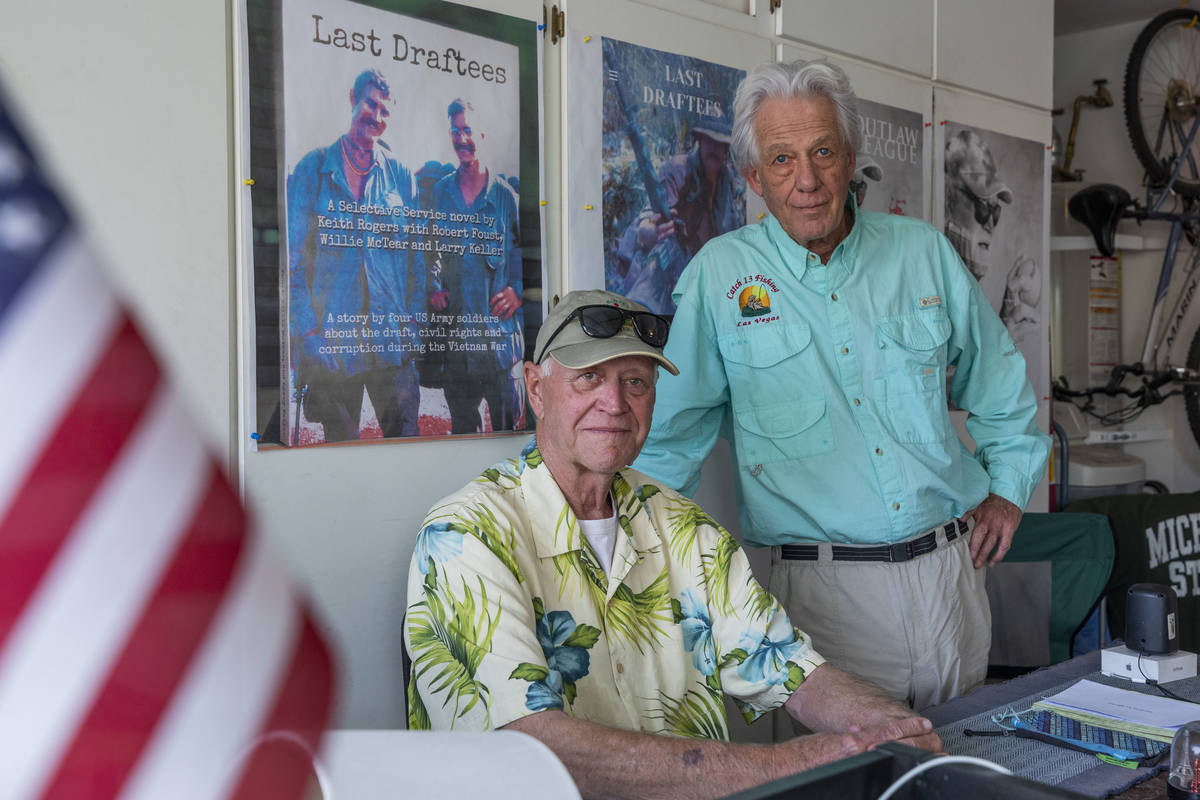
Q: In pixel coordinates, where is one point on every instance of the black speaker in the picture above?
(1152, 618)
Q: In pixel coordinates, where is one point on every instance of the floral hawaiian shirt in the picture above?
(510, 612)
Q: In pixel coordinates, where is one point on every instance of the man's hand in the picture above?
(505, 302)
(440, 299)
(832, 700)
(912, 731)
(822, 748)
(995, 523)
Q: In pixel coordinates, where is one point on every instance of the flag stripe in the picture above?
(71, 466)
(74, 626)
(157, 654)
(197, 749)
(303, 707)
(68, 312)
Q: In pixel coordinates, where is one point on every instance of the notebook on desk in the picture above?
(1136, 713)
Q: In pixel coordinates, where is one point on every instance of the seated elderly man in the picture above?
(568, 596)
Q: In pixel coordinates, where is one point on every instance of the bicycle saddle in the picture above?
(1099, 207)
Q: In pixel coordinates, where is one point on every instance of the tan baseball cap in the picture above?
(574, 348)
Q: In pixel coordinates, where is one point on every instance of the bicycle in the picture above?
(1160, 99)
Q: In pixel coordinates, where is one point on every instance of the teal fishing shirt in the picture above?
(830, 382)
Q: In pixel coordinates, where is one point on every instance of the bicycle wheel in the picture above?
(1191, 394)
(1161, 80)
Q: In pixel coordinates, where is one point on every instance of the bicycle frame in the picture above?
(1154, 342)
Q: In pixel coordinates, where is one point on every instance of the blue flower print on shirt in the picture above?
(553, 631)
(697, 631)
(546, 693)
(769, 652)
(565, 645)
(439, 541)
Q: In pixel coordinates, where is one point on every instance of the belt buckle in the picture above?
(899, 552)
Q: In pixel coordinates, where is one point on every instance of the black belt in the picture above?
(900, 551)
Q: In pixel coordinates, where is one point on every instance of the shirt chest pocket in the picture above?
(911, 383)
(778, 402)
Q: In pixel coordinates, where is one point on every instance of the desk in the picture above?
(1045, 763)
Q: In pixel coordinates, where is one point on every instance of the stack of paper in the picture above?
(1145, 715)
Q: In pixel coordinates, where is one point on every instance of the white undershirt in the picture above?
(602, 536)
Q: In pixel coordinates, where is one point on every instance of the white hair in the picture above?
(804, 79)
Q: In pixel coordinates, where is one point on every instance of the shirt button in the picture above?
(857, 402)
(833, 297)
(896, 506)
(878, 451)
(620, 668)
(845, 350)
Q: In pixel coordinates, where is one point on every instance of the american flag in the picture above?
(148, 640)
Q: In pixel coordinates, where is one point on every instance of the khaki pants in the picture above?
(920, 629)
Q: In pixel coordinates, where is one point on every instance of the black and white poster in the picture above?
(994, 189)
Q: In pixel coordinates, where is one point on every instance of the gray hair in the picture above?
(806, 79)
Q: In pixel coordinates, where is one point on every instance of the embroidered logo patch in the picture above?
(932, 300)
(754, 301)
(753, 296)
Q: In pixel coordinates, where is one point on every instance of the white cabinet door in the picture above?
(897, 33)
(1001, 48)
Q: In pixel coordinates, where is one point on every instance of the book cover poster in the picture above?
(668, 180)
(891, 173)
(404, 286)
(994, 208)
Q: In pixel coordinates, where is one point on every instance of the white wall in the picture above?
(1103, 151)
(132, 107)
(128, 106)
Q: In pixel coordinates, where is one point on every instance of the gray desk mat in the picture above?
(1035, 760)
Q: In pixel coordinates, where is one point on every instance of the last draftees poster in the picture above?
(403, 282)
(669, 184)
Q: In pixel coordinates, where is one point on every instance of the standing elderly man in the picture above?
(570, 597)
(819, 342)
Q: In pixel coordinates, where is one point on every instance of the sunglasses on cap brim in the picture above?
(605, 322)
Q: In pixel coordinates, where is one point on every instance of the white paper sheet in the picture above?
(1124, 705)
